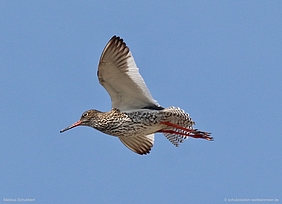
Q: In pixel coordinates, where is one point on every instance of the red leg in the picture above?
(187, 132)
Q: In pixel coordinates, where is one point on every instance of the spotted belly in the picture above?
(144, 122)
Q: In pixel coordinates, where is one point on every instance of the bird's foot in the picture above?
(187, 132)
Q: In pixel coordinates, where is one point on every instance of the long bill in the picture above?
(71, 126)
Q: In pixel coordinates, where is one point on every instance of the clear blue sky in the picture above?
(221, 61)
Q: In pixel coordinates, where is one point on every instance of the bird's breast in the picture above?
(132, 123)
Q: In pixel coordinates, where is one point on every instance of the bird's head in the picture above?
(87, 119)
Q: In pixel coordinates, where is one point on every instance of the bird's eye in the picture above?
(84, 115)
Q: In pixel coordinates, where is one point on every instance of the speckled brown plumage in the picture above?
(135, 115)
(141, 122)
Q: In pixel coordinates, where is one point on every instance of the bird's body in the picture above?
(128, 124)
(135, 115)
(137, 122)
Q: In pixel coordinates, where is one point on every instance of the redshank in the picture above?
(135, 116)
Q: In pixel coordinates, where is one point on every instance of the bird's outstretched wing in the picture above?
(118, 73)
(139, 144)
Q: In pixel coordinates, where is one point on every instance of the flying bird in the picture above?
(135, 116)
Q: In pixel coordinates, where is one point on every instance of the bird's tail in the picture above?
(179, 126)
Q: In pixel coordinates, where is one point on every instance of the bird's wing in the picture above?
(139, 144)
(118, 73)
